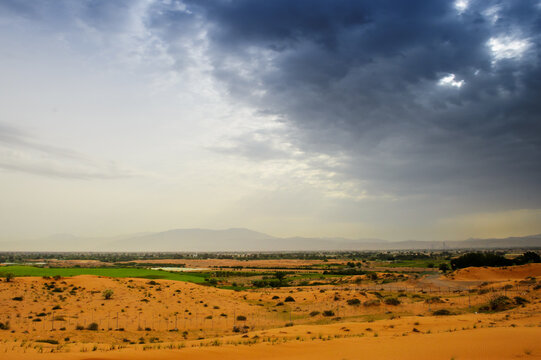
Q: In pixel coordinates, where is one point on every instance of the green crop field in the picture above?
(418, 263)
(18, 270)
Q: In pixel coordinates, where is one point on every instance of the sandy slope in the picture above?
(406, 331)
(486, 343)
(497, 273)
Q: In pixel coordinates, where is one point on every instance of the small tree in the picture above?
(107, 294)
(9, 277)
(444, 267)
(280, 275)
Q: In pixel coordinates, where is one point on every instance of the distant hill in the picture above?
(195, 240)
(239, 239)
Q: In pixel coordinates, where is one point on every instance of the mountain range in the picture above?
(239, 239)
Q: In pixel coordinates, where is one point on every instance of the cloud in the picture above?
(362, 79)
(424, 105)
(22, 153)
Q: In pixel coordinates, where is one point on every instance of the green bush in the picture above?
(107, 294)
(92, 326)
(354, 302)
(442, 312)
(48, 341)
(499, 303)
(374, 302)
(496, 304)
(520, 300)
(392, 301)
(434, 300)
(328, 313)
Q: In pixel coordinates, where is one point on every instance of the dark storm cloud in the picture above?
(361, 78)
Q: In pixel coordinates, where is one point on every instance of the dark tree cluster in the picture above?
(491, 259)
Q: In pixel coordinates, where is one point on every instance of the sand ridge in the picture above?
(497, 273)
(165, 319)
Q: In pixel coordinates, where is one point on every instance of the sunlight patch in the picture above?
(507, 47)
(461, 5)
(450, 80)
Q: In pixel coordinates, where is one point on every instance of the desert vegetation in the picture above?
(336, 296)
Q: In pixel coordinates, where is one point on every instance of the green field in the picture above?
(418, 263)
(18, 270)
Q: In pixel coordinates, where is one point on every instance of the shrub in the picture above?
(280, 275)
(289, 299)
(266, 283)
(441, 312)
(520, 300)
(57, 307)
(354, 302)
(372, 303)
(434, 300)
(92, 326)
(241, 318)
(328, 313)
(275, 297)
(443, 267)
(392, 301)
(107, 294)
(491, 259)
(48, 341)
(238, 329)
(79, 327)
(499, 303)
(4, 326)
(314, 313)
(9, 277)
(18, 298)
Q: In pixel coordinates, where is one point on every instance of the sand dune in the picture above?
(497, 273)
(167, 320)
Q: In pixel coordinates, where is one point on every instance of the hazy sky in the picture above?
(390, 119)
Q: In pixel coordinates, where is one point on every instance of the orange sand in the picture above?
(405, 331)
(497, 274)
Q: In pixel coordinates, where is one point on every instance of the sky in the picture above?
(360, 119)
